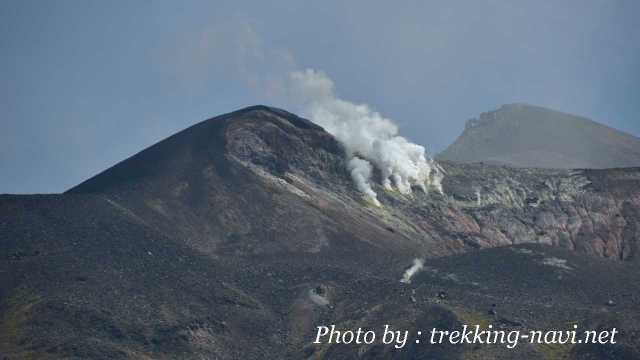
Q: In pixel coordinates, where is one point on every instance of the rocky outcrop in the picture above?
(589, 211)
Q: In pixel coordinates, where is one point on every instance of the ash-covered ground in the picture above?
(235, 238)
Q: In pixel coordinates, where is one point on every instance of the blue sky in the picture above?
(85, 84)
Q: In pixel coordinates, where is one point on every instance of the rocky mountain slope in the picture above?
(529, 136)
(234, 238)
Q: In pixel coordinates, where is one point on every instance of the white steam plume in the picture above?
(361, 173)
(418, 264)
(367, 136)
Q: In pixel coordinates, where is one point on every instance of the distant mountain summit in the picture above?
(522, 135)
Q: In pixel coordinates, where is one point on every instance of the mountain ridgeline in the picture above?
(236, 237)
(529, 136)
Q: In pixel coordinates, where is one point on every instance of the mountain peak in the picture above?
(524, 135)
(205, 143)
(272, 113)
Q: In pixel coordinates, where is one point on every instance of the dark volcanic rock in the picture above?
(234, 238)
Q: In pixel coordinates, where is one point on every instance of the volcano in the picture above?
(523, 135)
(237, 237)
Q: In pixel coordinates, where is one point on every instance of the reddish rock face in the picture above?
(589, 211)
